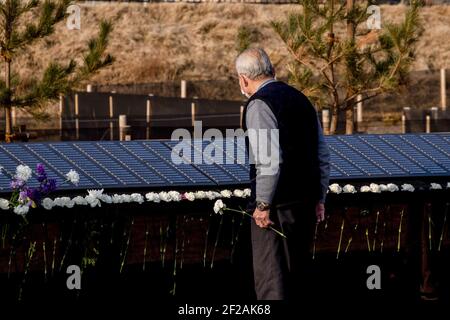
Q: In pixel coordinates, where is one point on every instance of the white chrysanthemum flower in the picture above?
(21, 209)
(58, 202)
(226, 193)
(408, 187)
(174, 195)
(238, 193)
(116, 198)
(70, 203)
(210, 195)
(348, 188)
(126, 197)
(73, 176)
(67, 202)
(23, 172)
(153, 197)
(137, 197)
(97, 193)
(383, 188)
(200, 195)
(47, 203)
(4, 204)
(164, 196)
(79, 200)
(247, 192)
(335, 188)
(435, 186)
(365, 189)
(189, 196)
(219, 206)
(105, 198)
(375, 188)
(93, 201)
(392, 187)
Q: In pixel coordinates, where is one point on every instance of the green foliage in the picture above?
(17, 32)
(245, 37)
(335, 67)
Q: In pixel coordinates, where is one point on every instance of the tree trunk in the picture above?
(349, 119)
(8, 115)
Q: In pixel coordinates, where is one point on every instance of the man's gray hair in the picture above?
(254, 63)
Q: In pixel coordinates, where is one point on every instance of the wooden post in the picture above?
(326, 121)
(193, 113)
(77, 120)
(403, 123)
(183, 89)
(241, 118)
(407, 115)
(61, 110)
(111, 116)
(123, 128)
(14, 116)
(427, 123)
(147, 120)
(359, 108)
(443, 90)
(434, 113)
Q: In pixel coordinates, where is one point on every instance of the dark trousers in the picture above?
(279, 263)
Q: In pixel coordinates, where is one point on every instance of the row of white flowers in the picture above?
(378, 188)
(95, 197)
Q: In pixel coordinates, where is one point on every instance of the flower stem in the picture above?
(248, 214)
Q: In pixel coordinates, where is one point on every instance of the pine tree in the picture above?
(334, 69)
(17, 32)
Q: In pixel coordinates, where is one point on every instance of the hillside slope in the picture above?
(170, 41)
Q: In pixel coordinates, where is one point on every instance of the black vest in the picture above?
(298, 138)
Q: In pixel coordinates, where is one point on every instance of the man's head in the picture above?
(253, 67)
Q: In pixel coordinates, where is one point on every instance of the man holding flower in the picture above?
(288, 190)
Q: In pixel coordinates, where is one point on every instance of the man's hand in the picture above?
(320, 212)
(262, 218)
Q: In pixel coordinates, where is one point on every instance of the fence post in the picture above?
(61, 110)
(147, 120)
(13, 116)
(193, 107)
(443, 90)
(408, 120)
(183, 89)
(111, 116)
(403, 123)
(124, 129)
(77, 121)
(241, 121)
(427, 123)
(359, 108)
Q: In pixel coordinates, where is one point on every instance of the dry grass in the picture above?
(168, 41)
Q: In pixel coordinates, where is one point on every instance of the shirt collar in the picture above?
(265, 83)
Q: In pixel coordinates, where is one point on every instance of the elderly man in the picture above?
(289, 192)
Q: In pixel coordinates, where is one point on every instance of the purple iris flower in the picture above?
(16, 183)
(40, 169)
(41, 174)
(49, 186)
(23, 195)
